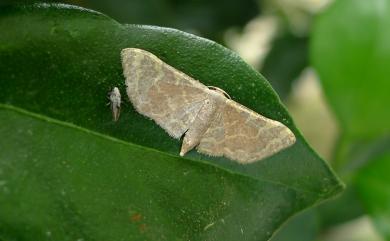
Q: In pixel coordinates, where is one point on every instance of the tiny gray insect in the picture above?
(115, 103)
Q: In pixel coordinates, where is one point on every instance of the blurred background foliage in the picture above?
(202, 17)
(329, 62)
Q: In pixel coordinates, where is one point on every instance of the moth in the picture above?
(115, 103)
(210, 121)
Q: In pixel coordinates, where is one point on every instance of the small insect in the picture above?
(115, 103)
(208, 118)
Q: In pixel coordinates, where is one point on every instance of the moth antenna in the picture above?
(220, 90)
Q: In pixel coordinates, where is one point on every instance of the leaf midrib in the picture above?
(148, 149)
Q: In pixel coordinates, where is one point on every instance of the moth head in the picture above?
(115, 91)
(115, 96)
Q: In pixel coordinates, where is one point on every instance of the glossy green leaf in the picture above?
(59, 62)
(373, 182)
(68, 183)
